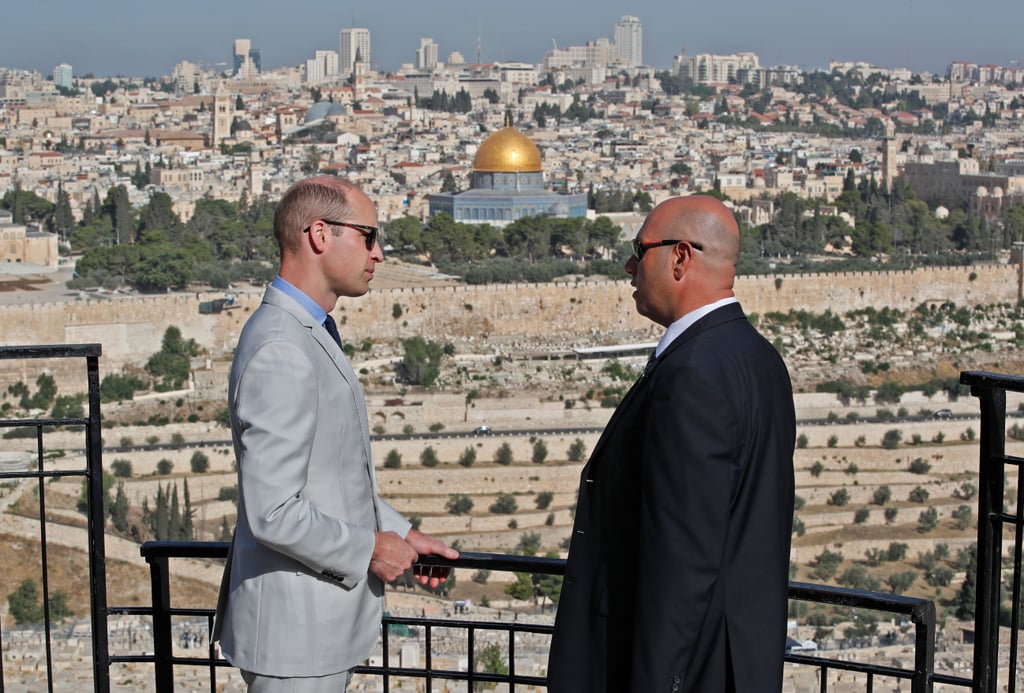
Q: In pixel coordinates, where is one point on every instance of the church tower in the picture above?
(889, 169)
(223, 113)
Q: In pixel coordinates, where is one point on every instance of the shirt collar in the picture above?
(684, 323)
(311, 306)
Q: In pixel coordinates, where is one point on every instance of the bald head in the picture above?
(699, 269)
(706, 221)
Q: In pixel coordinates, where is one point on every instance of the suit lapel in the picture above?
(727, 313)
(617, 415)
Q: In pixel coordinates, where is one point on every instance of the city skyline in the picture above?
(114, 37)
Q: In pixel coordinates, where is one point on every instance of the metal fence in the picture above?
(920, 613)
(995, 657)
(993, 522)
(47, 465)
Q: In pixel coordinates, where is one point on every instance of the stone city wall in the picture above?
(585, 313)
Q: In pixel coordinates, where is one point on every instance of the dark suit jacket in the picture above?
(679, 562)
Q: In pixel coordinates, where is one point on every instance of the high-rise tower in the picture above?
(62, 75)
(246, 60)
(629, 35)
(353, 43)
(426, 54)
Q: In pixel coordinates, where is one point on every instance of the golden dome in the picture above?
(507, 151)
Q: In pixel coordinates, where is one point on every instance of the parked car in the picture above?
(482, 430)
(794, 645)
(943, 414)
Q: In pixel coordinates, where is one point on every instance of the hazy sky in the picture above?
(145, 38)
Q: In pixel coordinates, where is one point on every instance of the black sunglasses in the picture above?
(370, 233)
(640, 248)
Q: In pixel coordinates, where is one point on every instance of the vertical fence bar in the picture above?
(97, 547)
(163, 640)
(924, 651)
(44, 559)
(991, 480)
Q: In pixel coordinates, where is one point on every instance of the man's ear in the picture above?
(316, 237)
(680, 259)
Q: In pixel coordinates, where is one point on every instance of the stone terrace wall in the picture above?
(586, 313)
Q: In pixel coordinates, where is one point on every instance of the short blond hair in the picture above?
(320, 197)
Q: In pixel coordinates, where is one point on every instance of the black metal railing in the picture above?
(920, 612)
(994, 647)
(993, 520)
(46, 469)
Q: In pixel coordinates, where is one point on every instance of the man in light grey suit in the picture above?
(300, 603)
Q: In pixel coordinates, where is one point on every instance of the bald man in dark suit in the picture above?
(679, 562)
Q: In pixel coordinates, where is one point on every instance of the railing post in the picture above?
(97, 518)
(991, 481)
(163, 640)
(924, 648)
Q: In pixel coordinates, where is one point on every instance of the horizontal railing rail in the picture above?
(919, 612)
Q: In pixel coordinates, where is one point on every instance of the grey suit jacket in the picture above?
(297, 598)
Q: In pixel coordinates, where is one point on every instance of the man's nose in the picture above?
(630, 265)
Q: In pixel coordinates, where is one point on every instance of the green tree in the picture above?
(468, 456)
(826, 564)
(393, 460)
(158, 215)
(897, 551)
(459, 504)
(963, 516)
(226, 533)
(967, 594)
(839, 497)
(927, 520)
(119, 509)
(69, 406)
(161, 264)
(544, 499)
(428, 458)
(577, 451)
(421, 362)
(503, 455)
(119, 387)
(171, 365)
(491, 660)
(199, 462)
(504, 504)
(882, 495)
(24, 603)
(919, 494)
(859, 578)
(891, 439)
(540, 452)
(119, 208)
(902, 581)
(121, 468)
(164, 467)
(63, 219)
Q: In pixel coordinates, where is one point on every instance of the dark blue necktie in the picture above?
(650, 365)
(332, 329)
